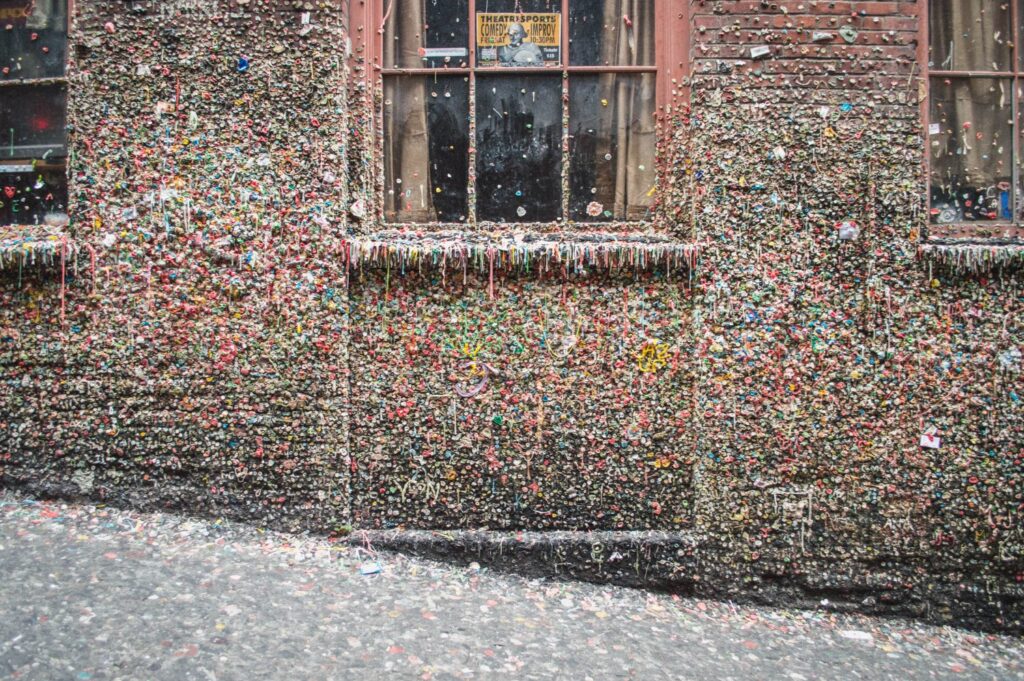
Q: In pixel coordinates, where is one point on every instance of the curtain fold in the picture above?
(407, 135)
(969, 35)
(632, 139)
(45, 14)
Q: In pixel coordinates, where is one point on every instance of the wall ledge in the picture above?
(33, 245)
(692, 563)
(484, 252)
(973, 256)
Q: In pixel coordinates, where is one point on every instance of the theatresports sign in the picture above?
(518, 39)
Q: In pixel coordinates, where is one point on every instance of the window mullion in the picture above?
(471, 171)
(1014, 50)
(564, 53)
(972, 74)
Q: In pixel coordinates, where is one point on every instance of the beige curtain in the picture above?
(47, 15)
(406, 138)
(633, 99)
(963, 35)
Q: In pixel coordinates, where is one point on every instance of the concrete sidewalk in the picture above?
(96, 593)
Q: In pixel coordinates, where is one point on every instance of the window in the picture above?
(33, 146)
(975, 69)
(521, 111)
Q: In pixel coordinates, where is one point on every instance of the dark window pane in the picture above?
(32, 195)
(426, 148)
(617, 32)
(32, 122)
(611, 146)
(427, 33)
(969, 35)
(518, 32)
(971, 139)
(33, 38)
(519, 148)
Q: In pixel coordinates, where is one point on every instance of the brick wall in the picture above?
(200, 360)
(824, 362)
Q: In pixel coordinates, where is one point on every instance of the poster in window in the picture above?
(14, 13)
(513, 39)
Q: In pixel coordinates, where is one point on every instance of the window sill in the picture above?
(33, 245)
(50, 80)
(555, 227)
(612, 251)
(977, 255)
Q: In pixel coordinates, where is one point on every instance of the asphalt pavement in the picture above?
(89, 593)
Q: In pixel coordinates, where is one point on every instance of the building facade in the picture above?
(730, 289)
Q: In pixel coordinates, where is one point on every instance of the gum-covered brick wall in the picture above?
(557, 403)
(823, 362)
(195, 356)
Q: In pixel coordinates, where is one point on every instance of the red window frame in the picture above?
(671, 67)
(997, 229)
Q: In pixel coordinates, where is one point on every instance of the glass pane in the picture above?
(611, 146)
(969, 35)
(33, 42)
(32, 195)
(32, 123)
(518, 32)
(618, 32)
(427, 33)
(971, 137)
(426, 148)
(519, 148)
